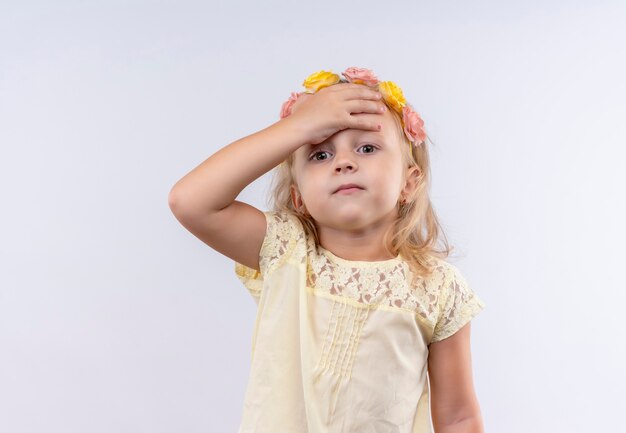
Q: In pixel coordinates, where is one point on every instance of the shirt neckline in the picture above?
(359, 263)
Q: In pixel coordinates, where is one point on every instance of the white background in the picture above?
(114, 318)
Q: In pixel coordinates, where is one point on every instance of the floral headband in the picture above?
(412, 123)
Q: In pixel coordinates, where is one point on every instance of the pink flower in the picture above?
(413, 125)
(288, 104)
(360, 76)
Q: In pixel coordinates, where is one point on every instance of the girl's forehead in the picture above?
(352, 135)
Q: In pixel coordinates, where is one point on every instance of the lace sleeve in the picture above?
(458, 304)
(277, 244)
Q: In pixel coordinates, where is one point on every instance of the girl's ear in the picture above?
(296, 200)
(413, 178)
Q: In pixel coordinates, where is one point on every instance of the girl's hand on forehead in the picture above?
(335, 108)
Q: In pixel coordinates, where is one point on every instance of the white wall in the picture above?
(113, 318)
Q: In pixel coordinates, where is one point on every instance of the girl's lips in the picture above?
(349, 190)
(348, 186)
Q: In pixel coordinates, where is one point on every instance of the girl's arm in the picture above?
(454, 405)
(203, 201)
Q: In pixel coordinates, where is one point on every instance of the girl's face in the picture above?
(373, 160)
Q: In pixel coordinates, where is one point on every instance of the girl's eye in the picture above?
(315, 155)
(321, 152)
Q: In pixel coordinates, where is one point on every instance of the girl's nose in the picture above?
(344, 161)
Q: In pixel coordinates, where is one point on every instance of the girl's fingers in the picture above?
(367, 93)
(365, 121)
(362, 106)
(361, 91)
(363, 114)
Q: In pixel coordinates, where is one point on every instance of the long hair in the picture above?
(416, 231)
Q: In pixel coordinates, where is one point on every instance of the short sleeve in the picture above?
(280, 236)
(458, 304)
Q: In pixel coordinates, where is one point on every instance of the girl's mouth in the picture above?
(349, 190)
(347, 187)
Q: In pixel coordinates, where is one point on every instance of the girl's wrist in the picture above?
(297, 131)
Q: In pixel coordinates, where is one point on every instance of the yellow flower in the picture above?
(393, 95)
(319, 80)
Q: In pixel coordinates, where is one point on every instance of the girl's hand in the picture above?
(335, 108)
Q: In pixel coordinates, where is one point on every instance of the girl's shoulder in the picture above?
(285, 236)
(283, 226)
(458, 303)
(283, 218)
(444, 268)
(442, 271)
(282, 242)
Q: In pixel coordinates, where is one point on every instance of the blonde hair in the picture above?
(414, 234)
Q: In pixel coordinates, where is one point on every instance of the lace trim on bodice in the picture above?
(444, 298)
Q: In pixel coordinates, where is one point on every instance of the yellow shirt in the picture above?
(341, 346)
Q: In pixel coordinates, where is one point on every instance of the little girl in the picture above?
(362, 326)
